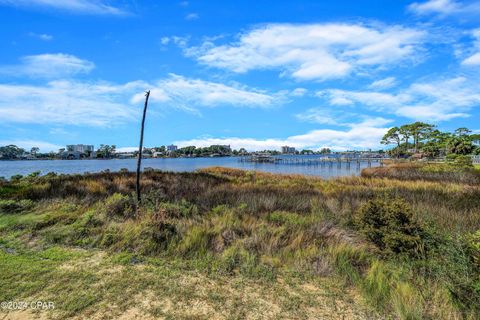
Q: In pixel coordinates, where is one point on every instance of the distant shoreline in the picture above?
(133, 158)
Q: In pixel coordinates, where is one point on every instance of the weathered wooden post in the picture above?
(140, 147)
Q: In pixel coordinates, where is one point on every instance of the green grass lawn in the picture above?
(95, 284)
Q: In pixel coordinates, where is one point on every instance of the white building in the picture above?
(288, 150)
(81, 148)
(172, 147)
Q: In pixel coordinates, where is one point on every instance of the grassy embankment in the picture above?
(401, 242)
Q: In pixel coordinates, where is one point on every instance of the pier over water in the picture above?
(314, 161)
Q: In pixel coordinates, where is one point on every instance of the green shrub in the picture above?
(390, 225)
(451, 157)
(196, 242)
(183, 209)
(15, 206)
(16, 177)
(473, 245)
(119, 205)
(463, 162)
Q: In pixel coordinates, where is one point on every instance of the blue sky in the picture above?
(253, 74)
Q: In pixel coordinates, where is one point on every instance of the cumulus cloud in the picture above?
(439, 100)
(48, 66)
(97, 7)
(106, 104)
(312, 51)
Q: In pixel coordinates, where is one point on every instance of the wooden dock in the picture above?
(318, 161)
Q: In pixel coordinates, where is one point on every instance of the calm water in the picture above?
(24, 167)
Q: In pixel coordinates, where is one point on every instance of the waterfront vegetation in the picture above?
(426, 141)
(399, 242)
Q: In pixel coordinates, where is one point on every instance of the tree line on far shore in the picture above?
(11, 152)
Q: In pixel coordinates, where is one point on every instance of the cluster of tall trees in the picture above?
(11, 152)
(426, 139)
(106, 151)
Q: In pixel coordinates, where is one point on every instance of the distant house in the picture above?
(476, 142)
(288, 150)
(82, 148)
(78, 151)
(172, 148)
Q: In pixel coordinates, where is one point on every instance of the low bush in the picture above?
(15, 206)
(390, 225)
(118, 205)
(463, 162)
(473, 246)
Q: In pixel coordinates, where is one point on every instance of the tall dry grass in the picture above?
(258, 224)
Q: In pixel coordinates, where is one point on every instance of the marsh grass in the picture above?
(231, 223)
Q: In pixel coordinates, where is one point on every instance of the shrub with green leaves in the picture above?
(119, 205)
(473, 245)
(463, 161)
(390, 225)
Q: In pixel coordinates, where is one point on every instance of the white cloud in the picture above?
(358, 137)
(192, 16)
(76, 6)
(299, 92)
(372, 122)
(177, 40)
(165, 40)
(428, 101)
(321, 116)
(313, 51)
(189, 93)
(445, 7)
(383, 83)
(474, 59)
(41, 36)
(105, 104)
(66, 102)
(48, 66)
(340, 117)
(28, 144)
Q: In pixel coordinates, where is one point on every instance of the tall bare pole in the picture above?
(140, 147)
